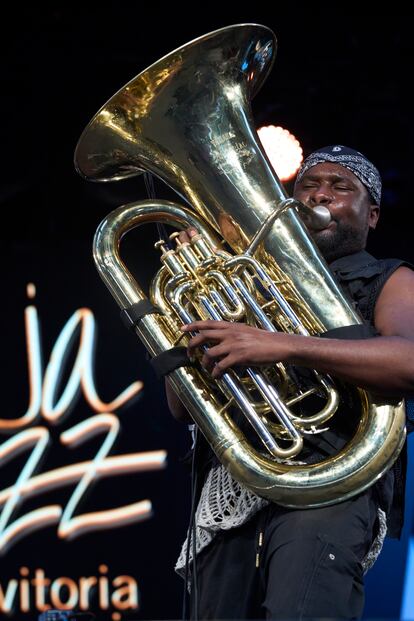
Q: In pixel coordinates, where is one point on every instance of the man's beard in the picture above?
(343, 240)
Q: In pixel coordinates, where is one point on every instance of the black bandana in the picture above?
(350, 159)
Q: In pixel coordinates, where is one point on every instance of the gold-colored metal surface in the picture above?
(187, 119)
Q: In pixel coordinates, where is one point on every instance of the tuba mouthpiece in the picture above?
(316, 218)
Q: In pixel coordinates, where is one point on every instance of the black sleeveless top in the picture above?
(363, 277)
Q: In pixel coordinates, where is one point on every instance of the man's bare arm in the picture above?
(384, 364)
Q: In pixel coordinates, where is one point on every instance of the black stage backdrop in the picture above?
(94, 495)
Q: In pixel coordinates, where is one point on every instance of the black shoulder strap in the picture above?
(171, 359)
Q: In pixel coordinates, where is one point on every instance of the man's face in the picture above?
(349, 204)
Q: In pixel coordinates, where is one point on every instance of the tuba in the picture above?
(187, 119)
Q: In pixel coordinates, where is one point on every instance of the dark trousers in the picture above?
(309, 564)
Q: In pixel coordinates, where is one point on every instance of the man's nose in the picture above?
(321, 195)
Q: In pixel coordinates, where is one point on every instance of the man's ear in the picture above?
(374, 213)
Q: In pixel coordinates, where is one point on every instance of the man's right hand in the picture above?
(185, 236)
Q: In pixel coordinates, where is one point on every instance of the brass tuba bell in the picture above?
(187, 119)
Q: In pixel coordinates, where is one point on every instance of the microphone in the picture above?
(66, 615)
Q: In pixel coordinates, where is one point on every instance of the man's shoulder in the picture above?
(363, 277)
(364, 265)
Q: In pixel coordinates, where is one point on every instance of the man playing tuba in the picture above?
(254, 558)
